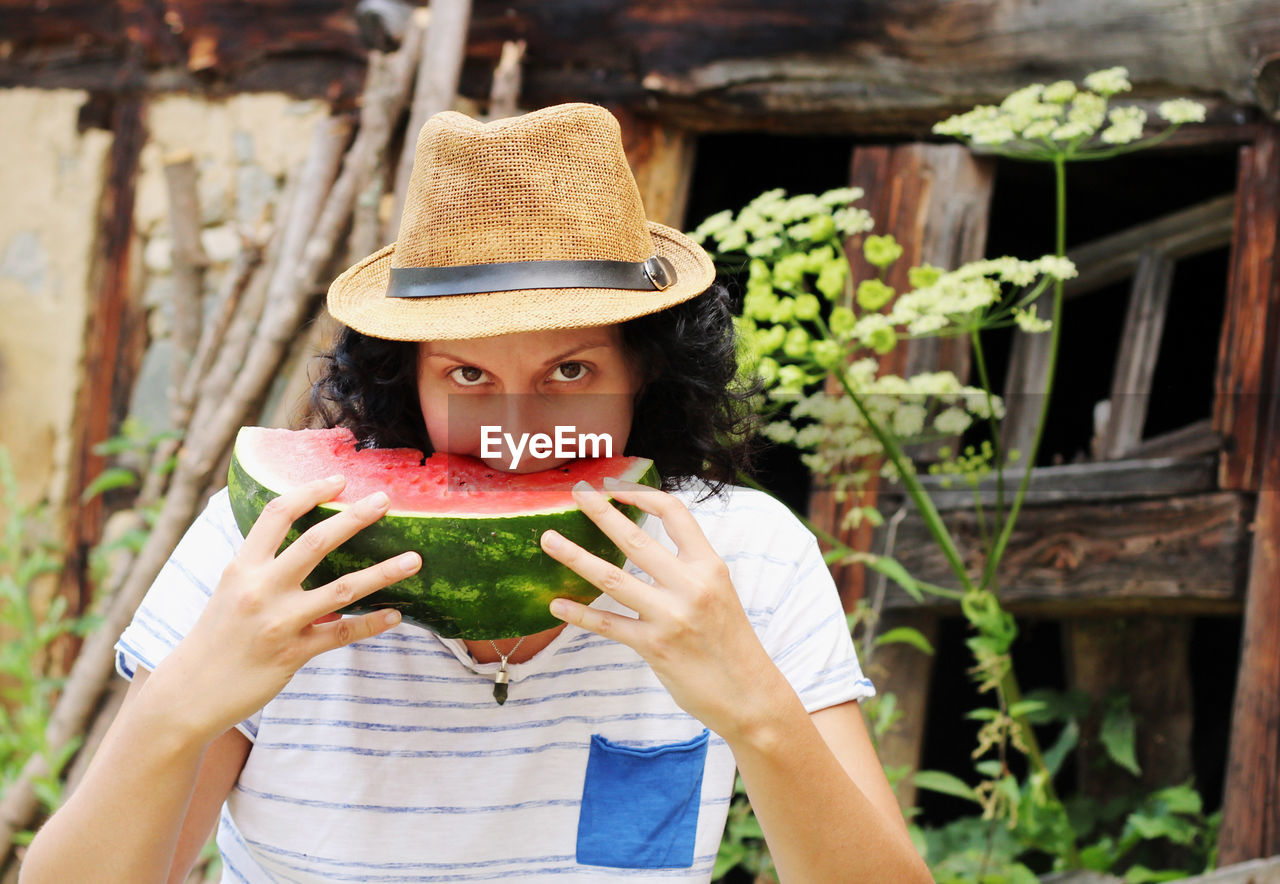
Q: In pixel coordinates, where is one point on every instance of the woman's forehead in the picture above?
(549, 343)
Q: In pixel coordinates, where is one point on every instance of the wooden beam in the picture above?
(661, 158)
(879, 67)
(934, 199)
(1191, 441)
(1245, 379)
(1173, 555)
(115, 338)
(1084, 483)
(1139, 346)
(1251, 793)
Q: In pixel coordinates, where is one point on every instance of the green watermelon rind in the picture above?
(482, 577)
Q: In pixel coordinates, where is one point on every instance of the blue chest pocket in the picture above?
(640, 805)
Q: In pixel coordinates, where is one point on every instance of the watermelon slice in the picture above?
(484, 573)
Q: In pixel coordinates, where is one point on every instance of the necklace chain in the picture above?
(514, 648)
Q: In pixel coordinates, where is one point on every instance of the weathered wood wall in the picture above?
(817, 65)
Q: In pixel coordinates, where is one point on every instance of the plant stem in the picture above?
(981, 364)
(906, 471)
(1055, 334)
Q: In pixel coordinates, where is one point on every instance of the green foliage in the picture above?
(27, 686)
(1030, 831)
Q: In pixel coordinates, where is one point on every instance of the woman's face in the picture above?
(511, 400)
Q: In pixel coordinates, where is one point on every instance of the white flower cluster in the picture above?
(1042, 121)
(1109, 82)
(1181, 110)
(1126, 125)
(772, 221)
(956, 296)
(839, 437)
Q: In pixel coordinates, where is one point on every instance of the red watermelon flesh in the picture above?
(446, 484)
(478, 529)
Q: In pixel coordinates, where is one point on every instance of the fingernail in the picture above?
(334, 479)
(552, 540)
(391, 618)
(408, 561)
(377, 500)
(611, 483)
(583, 487)
(559, 608)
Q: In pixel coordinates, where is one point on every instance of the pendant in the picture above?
(500, 684)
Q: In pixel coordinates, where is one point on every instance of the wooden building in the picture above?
(1155, 527)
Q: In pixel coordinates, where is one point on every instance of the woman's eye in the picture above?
(570, 371)
(467, 375)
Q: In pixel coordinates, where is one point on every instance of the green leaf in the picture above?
(1180, 799)
(905, 635)
(947, 784)
(1056, 754)
(895, 572)
(1026, 707)
(990, 768)
(1058, 705)
(1117, 735)
(109, 479)
(728, 857)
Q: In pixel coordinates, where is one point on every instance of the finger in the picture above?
(296, 562)
(609, 578)
(352, 587)
(678, 522)
(641, 548)
(609, 624)
(344, 631)
(273, 523)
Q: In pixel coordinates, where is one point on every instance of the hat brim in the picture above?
(358, 298)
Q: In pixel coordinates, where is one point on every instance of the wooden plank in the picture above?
(1175, 555)
(1191, 441)
(1024, 383)
(1245, 381)
(115, 339)
(1139, 347)
(1251, 793)
(661, 158)
(1096, 482)
(1258, 871)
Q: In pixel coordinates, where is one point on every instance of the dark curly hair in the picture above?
(693, 416)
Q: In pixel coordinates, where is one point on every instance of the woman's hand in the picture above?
(260, 626)
(691, 627)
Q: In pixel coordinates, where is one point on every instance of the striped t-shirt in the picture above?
(389, 761)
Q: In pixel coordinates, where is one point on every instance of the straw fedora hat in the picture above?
(523, 224)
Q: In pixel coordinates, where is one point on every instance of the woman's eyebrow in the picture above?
(589, 345)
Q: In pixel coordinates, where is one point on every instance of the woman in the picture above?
(526, 290)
